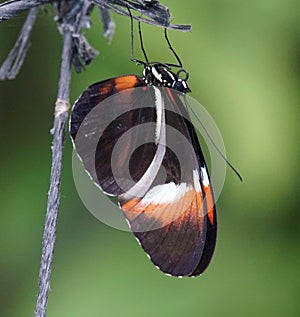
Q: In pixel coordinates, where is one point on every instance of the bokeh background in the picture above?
(244, 62)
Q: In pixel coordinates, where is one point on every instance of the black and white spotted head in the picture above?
(161, 75)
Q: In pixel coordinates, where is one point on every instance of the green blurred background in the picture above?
(244, 62)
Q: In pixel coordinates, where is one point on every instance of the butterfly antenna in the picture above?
(214, 144)
(141, 43)
(131, 33)
(172, 50)
(132, 38)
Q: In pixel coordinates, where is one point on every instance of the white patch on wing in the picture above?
(196, 181)
(166, 193)
(205, 180)
(142, 186)
(159, 114)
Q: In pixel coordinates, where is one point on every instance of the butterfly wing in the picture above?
(100, 117)
(123, 131)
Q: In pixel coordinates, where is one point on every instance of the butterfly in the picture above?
(136, 141)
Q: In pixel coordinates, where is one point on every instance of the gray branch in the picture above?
(11, 66)
(12, 8)
(60, 120)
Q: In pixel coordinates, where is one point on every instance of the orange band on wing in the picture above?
(210, 204)
(125, 82)
(166, 212)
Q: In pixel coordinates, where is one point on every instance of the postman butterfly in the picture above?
(146, 153)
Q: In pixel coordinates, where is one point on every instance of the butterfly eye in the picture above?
(178, 85)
